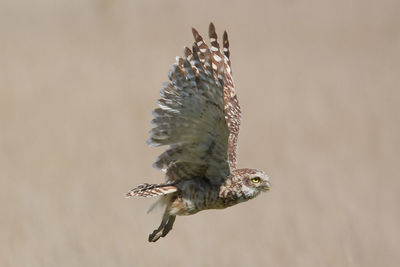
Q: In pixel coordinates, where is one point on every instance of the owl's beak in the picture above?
(267, 186)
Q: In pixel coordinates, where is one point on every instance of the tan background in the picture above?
(318, 83)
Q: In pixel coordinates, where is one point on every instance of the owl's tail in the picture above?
(152, 190)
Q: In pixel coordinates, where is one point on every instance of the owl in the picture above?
(198, 119)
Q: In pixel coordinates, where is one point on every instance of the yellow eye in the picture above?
(255, 179)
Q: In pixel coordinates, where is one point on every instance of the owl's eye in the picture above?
(255, 180)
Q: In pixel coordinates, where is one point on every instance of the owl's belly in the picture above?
(184, 205)
(195, 197)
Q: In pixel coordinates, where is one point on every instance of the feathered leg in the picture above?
(166, 192)
(165, 226)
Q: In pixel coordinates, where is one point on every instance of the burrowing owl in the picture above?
(198, 119)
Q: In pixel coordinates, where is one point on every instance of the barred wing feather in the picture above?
(196, 118)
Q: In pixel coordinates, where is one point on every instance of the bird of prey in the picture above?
(198, 119)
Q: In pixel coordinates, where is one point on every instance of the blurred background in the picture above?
(318, 82)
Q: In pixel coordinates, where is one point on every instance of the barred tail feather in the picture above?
(152, 190)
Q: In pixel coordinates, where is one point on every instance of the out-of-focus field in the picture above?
(318, 83)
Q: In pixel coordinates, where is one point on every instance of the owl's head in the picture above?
(253, 181)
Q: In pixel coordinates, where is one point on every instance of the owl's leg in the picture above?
(165, 226)
(168, 226)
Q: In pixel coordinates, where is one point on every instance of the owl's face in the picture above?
(258, 180)
(254, 182)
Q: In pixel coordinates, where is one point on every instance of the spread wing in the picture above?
(198, 116)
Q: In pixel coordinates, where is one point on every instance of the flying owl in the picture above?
(198, 118)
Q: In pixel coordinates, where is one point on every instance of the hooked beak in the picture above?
(267, 186)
